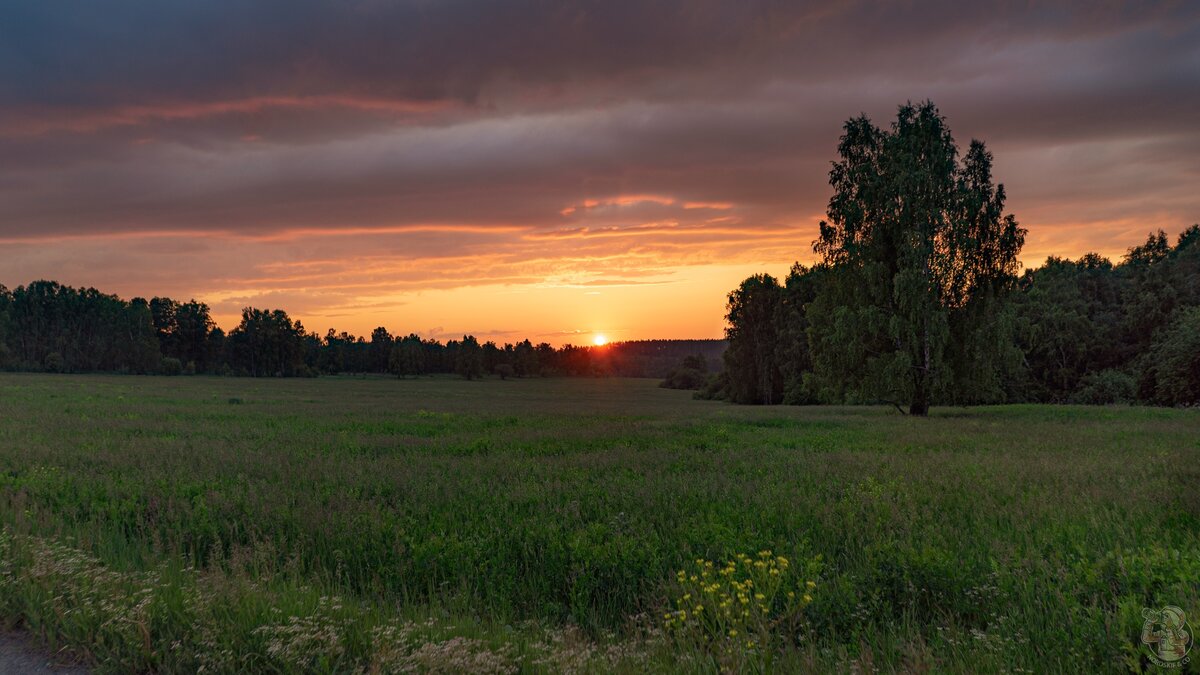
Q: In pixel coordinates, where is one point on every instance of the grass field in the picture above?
(341, 524)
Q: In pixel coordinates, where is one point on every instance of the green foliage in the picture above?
(913, 302)
(1070, 323)
(54, 363)
(950, 544)
(792, 320)
(1105, 387)
(1079, 320)
(751, 359)
(922, 254)
(691, 373)
(1172, 370)
(85, 329)
(743, 612)
(715, 388)
(171, 366)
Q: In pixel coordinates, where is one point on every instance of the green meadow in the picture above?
(378, 525)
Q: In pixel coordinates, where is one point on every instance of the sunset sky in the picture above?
(548, 169)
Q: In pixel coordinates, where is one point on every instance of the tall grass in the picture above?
(516, 513)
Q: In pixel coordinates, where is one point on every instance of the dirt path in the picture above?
(20, 655)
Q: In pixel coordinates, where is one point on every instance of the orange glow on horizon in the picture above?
(532, 285)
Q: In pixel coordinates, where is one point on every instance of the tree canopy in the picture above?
(916, 298)
(923, 252)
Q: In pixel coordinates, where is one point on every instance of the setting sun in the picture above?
(600, 340)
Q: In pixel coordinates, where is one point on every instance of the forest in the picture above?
(916, 298)
(1085, 331)
(49, 327)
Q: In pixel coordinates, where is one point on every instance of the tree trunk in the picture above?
(920, 401)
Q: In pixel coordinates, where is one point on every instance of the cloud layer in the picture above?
(478, 165)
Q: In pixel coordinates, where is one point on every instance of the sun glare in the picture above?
(599, 340)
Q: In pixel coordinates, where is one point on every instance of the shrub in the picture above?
(1105, 387)
(54, 363)
(504, 370)
(685, 378)
(171, 366)
(691, 373)
(716, 388)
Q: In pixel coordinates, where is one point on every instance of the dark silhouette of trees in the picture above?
(408, 357)
(380, 350)
(491, 356)
(525, 360)
(924, 254)
(49, 327)
(916, 299)
(1072, 331)
(267, 344)
(184, 332)
(751, 359)
(573, 360)
(468, 358)
(342, 352)
(141, 353)
(63, 329)
(793, 352)
(5, 318)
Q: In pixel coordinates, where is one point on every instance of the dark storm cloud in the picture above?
(359, 137)
(80, 55)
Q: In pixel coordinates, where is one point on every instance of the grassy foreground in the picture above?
(377, 525)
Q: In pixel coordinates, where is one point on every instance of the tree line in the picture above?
(49, 327)
(916, 299)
